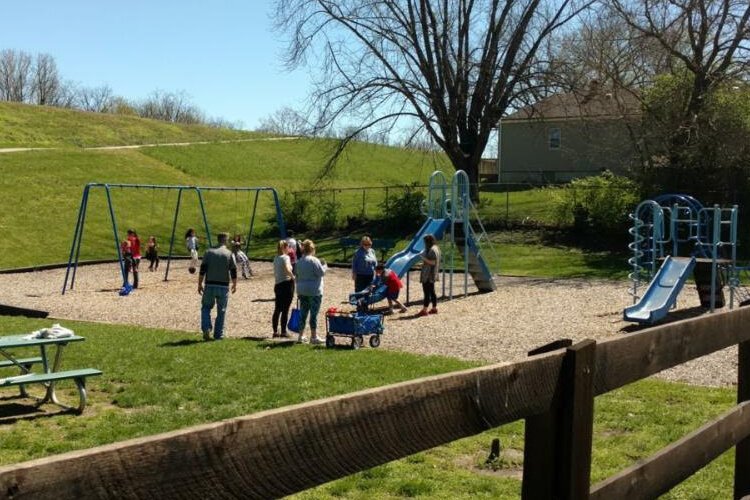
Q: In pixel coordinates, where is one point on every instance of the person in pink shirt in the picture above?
(135, 250)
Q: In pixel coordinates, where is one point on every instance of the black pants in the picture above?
(362, 281)
(429, 295)
(283, 294)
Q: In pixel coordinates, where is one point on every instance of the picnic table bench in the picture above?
(48, 374)
(383, 245)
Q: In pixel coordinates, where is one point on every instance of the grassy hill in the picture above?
(42, 189)
(23, 125)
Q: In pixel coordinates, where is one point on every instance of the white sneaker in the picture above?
(301, 339)
(317, 341)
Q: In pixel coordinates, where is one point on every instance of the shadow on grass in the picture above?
(13, 412)
(182, 343)
(266, 343)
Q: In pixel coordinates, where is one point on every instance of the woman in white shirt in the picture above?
(283, 290)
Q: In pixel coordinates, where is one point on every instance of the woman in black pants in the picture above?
(283, 290)
(429, 275)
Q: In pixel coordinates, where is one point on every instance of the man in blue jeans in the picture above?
(217, 269)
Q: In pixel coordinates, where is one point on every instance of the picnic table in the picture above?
(39, 369)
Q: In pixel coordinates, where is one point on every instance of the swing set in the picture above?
(75, 249)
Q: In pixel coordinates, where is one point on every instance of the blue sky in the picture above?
(223, 54)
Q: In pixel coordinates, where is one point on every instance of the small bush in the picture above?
(596, 207)
(327, 215)
(297, 211)
(403, 212)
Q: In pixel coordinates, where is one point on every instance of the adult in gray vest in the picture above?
(217, 269)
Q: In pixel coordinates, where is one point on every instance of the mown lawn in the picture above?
(159, 380)
(24, 125)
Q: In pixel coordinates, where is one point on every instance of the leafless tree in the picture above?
(285, 121)
(15, 75)
(45, 83)
(455, 66)
(170, 106)
(95, 99)
(66, 95)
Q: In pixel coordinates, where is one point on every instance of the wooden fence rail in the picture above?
(279, 452)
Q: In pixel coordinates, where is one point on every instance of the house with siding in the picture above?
(568, 135)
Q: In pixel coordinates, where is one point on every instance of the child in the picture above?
(393, 285)
(135, 250)
(240, 257)
(191, 241)
(127, 259)
(152, 253)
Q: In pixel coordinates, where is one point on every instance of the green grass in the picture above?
(159, 380)
(23, 125)
(43, 190)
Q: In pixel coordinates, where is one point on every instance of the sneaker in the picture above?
(421, 313)
(433, 310)
(207, 335)
(317, 341)
(276, 335)
(301, 339)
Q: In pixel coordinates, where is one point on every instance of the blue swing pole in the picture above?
(205, 219)
(80, 241)
(115, 232)
(279, 215)
(76, 236)
(174, 228)
(252, 224)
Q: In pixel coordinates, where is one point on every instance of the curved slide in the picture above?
(402, 261)
(662, 291)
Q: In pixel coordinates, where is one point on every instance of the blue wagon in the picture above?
(355, 326)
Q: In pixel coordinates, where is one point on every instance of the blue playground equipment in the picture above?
(75, 248)
(448, 208)
(674, 236)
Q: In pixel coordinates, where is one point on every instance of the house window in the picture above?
(554, 138)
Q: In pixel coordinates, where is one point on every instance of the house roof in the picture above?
(577, 105)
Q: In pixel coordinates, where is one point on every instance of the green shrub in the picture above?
(327, 215)
(402, 213)
(596, 207)
(297, 211)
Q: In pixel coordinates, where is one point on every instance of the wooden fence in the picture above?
(279, 452)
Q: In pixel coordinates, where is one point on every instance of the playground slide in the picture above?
(478, 268)
(662, 291)
(402, 261)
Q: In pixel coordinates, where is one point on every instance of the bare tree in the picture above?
(171, 107)
(455, 66)
(45, 84)
(15, 75)
(95, 99)
(285, 121)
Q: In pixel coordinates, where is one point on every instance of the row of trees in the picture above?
(35, 79)
(455, 67)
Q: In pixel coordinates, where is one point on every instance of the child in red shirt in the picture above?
(393, 286)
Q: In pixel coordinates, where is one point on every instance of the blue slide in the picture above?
(402, 261)
(662, 291)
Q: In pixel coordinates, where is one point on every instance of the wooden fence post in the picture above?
(557, 449)
(742, 450)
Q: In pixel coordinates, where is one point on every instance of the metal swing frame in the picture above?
(75, 248)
